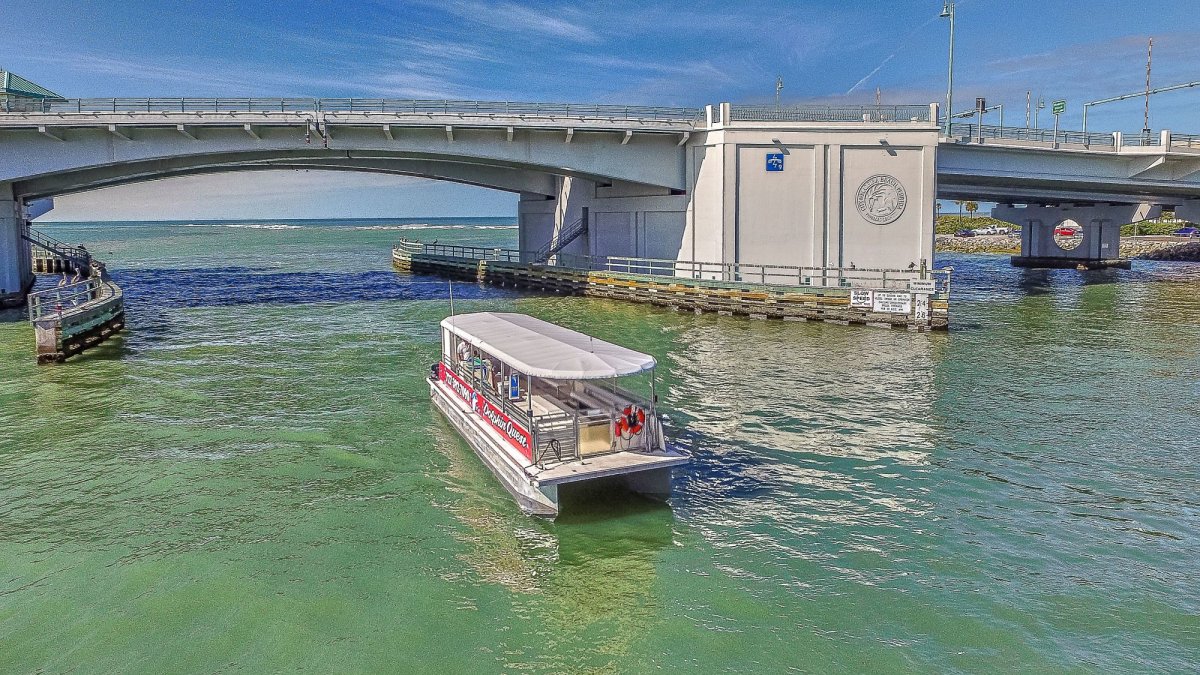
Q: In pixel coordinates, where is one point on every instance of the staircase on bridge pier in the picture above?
(51, 256)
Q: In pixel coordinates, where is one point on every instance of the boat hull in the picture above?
(537, 490)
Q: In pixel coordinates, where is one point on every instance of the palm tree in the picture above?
(960, 206)
(972, 207)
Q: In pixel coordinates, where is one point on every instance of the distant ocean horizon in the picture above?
(418, 223)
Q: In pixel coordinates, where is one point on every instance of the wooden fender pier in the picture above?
(917, 300)
(71, 318)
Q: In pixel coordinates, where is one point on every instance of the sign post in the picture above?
(1058, 107)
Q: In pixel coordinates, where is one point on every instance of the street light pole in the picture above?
(948, 13)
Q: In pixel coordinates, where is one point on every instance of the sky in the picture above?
(619, 51)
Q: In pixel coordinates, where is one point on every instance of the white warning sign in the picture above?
(892, 302)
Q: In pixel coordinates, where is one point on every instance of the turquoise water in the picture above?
(253, 479)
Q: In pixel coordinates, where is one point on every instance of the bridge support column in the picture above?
(1096, 243)
(1189, 210)
(624, 219)
(16, 262)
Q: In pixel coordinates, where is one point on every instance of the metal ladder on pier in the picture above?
(565, 237)
(77, 255)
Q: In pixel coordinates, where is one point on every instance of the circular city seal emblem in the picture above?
(881, 199)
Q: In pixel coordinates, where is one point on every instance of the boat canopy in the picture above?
(543, 349)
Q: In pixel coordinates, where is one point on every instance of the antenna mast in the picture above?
(778, 88)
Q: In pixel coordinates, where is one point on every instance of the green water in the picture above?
(253, 479)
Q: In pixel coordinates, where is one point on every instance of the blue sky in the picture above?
(604, 51)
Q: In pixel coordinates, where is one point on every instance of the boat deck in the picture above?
(604, 465)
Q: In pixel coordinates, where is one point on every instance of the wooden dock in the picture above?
(896, 303)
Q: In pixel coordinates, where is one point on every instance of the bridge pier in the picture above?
(16, 260)
(1189, 210)
(1096, 244)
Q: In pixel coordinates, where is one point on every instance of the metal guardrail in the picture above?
(55, 248)
(1185, 140)
(1152, 139)
(778, 275)
(972, 131)
(64, 298)
(830, 113)
(362, 105)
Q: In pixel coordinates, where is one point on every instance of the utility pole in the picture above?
(778, 88)
(878, 94)
(1027, 109)
(1149, 61)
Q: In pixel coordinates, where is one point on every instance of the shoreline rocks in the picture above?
(1141, 249)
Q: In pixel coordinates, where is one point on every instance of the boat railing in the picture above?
(556, 438)
(743, 273)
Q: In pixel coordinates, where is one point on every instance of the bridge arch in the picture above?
(507, 178)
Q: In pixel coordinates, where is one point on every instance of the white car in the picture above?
(993, 230)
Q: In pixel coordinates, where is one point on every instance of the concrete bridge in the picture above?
(813, 186)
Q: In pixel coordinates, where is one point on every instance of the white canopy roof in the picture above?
(543, 349)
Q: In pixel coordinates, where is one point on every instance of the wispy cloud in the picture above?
(563, 23)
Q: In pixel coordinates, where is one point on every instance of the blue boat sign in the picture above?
(775, 161)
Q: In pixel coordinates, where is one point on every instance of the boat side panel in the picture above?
(529, 498)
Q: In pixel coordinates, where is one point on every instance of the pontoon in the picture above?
(541, 406)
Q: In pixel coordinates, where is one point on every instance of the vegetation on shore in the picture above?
(954, 223)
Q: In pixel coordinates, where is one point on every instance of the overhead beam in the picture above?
(50, 134)
(112, 129)
(250, 130)
(182, 128)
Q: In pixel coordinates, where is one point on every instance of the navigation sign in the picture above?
(514, 386)
(860, 298)
(775, 161)
(892, 302)
(1058, 107)
(927, 286)
(921, 307)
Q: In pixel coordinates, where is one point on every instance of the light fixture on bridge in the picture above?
(948, 13)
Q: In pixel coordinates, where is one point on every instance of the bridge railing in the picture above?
(786, 275)
(829, 113)
(965, 130)
(1146, 140)
(1185, 140)
(362, 105)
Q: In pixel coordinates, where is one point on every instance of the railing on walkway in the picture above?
(65, 298)
(775, 275)
(365, 105)
(829, 113)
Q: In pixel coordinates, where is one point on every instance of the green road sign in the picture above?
(1059, 107)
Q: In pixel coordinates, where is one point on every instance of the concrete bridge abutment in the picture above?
(1095, 244)
(16, 260)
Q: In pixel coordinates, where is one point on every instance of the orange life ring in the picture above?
(631, 422)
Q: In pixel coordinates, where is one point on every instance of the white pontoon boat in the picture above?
(540, 405)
